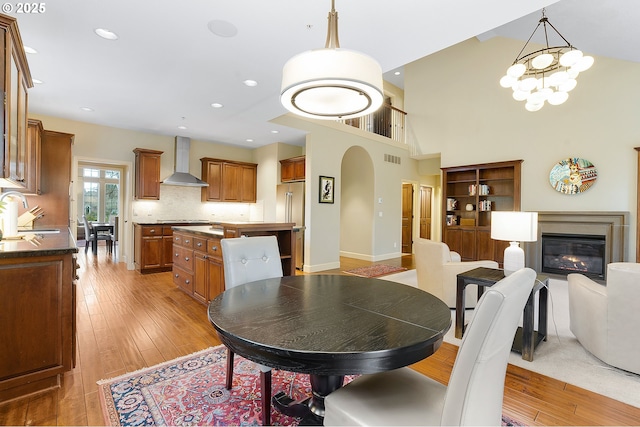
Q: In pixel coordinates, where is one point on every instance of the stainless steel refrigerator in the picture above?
(290, 208)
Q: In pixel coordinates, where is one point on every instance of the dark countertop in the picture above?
(42, 245)
(203, 230)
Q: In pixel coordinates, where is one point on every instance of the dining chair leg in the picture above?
(229, 369)
(265, 392)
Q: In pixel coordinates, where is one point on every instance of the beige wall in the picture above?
(458, 110)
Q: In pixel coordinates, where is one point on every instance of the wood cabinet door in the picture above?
(453, 239)
(485, 245)
(231, 182)
(200, 276)
(212, 175)
(151, 252)
(167, 251)
(216, 279)
(468, 249)
(147, 185)
(248, 183)
(287, 172)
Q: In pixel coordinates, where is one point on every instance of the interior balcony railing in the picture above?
(389, 122)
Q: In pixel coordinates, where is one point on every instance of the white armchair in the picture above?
(605, 319)
(437, 268)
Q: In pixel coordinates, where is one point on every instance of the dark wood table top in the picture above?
(330, 324)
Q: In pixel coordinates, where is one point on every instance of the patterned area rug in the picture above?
(376, 270)
(190, 391)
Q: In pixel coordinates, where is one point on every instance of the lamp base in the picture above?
(513, 258)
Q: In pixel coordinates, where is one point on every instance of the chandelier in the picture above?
(331, 83)
(548, 74)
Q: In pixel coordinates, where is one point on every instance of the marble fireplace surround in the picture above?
(613, 225)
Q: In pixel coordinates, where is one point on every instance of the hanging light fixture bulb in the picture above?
(547, 74)
(332, 83)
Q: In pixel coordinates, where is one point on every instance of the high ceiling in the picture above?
(167, 67)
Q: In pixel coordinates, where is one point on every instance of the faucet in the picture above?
(15, 193)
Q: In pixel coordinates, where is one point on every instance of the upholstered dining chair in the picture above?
(437, 268)
(605, 318)
(247, 259)
(475, 391)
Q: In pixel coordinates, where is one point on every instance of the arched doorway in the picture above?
(356, 203)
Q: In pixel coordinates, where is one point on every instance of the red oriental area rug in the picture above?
(190, 391)
(376, 270)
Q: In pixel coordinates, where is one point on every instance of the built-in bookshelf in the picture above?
(470, 193)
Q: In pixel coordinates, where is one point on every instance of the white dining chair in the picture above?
(247, 259)
(476, 387)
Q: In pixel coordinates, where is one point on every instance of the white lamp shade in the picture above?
(514, 226)
(331, 84)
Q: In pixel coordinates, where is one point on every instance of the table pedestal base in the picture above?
(310, 410)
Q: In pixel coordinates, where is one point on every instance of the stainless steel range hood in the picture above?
(181, 176)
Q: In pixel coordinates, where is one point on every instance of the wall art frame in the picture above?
(326, 189)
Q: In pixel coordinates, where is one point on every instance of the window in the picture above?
(101, 193)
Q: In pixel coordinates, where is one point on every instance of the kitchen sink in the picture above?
(40, 231)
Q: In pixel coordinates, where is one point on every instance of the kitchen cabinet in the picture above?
(37, 314)
(229, 181)
(34, 156)
(15, 80)
(147, 174)
(55, 179)
(470, 194)
(199, 269)
(292, 169)
(153, 248)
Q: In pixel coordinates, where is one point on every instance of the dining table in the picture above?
(328, 326)
(101, 228)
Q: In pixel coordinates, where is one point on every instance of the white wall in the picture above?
(458, 110)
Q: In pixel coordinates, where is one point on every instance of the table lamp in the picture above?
(514, 227)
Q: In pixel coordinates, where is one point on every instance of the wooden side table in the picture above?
(526, 339)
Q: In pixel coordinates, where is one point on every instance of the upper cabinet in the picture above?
(292, 169)
(16, 79)
(147, 174)
(229, 181)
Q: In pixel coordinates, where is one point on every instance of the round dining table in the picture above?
(328, 326)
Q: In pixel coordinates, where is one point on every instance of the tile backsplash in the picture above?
(183, 203)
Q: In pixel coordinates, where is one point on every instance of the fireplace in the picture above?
(574, 253)
(598, 238)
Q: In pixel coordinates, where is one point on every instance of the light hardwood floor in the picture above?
(127, 321)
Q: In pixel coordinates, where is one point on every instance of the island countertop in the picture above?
(42, 244)
(233, 228)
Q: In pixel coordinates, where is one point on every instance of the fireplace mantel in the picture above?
(613, 225)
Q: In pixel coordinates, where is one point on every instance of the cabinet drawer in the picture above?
(152, 231)
(213, 248)
(167, 230)
(200, 244)
(183, 279)
(183, 257)
(184, 240)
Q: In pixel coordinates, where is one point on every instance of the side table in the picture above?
(526, 339)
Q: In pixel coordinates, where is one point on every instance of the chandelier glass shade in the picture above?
(547, 74)
(332, 83)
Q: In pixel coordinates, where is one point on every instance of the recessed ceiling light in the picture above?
(250, 83)
(222, 28)
(275, 131)
(249, 140)
(29, 49)
(217, 105)
(397, 73)
(37, 82)
(106, 34)
(182, 127)
(87, 109)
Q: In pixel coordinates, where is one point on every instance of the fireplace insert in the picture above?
(574, 253)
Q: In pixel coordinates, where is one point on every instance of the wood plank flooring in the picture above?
(127, 321)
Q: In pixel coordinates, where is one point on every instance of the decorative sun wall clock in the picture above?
(573, 175)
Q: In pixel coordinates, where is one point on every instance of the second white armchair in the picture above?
(437, 268)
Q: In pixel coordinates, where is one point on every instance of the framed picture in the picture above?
(326, 189)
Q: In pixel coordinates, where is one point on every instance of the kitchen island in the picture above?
(37, 311)
(197, 255)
